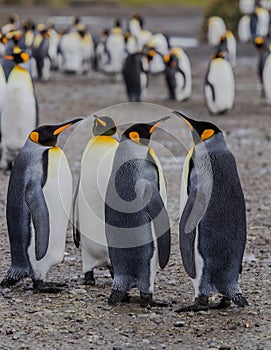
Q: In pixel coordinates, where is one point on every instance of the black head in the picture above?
(201, 130)
(46, 135)
(17, 55)
(104, 126)
(141, 133)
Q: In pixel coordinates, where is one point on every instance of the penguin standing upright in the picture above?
(215, 28)
(212, 230)
(228, 45)
(115, 49)
(137, 224)
(219, 85)
(41, 62)
(178, 74)
(38, 206)
(264, 67)
(135, 74)
(259, 21)
(17, 122)
(2, 92)
(96, 166)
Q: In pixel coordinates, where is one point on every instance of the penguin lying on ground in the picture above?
(38, 206)
(213, 218)
(89, 226)
(137, 224)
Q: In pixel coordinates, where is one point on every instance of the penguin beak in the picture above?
(99, 120)
(8, 57)
(64, 126)
(187, 120)
(157, 123)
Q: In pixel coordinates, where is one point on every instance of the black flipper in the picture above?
(36, 203)
(75, 224)
(159, 216)
(193, 212)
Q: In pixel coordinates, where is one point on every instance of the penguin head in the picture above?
(17, 55)
(46, 135)
(259, 42)
(141, 133)
(201, 130)
(104, 126)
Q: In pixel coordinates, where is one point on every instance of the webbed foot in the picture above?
(89, 278)
(47, 287)
(147, 300)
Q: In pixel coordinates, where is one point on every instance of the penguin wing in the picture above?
(187, 239)
(36, 203)
(193, 212)
(184, 76)
(159, 216)
(75, 226)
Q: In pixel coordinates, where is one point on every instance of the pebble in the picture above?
(179, 324)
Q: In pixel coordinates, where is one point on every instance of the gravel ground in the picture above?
(79, 317)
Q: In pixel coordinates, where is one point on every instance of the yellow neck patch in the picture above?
(34, 136)
(135, 136)
(207, 134)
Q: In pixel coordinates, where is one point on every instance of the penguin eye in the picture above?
(207, 134)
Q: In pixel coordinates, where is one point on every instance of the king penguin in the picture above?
(135, 74)
(96, 166)
(137, 224)
(17, 122)
(264, 67)
(219, 85)
(212, 229)
(38, 206)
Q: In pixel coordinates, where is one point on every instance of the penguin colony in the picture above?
(130, 227)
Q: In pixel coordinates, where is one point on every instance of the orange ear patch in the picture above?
(134, 136)
(34, 136)
(207, 134)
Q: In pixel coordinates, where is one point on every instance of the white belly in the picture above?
(19, 109)
(222, 79)
(266, 79)
(58, 195)
(96, 167)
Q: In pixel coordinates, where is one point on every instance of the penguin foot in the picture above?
(201, 304)
(8, 282)
(222, 304)
(146, 300)
(116, 297)
(89, 279)
(240, 300)
(47, 287)
(13, 276)
(193, 307)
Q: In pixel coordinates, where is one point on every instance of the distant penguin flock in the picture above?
(119, 209)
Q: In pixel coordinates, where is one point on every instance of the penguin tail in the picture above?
(13, 276)
(239, 300)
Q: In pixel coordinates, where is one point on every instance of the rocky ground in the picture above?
(79, 317)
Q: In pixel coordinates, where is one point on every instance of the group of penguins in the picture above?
(254, 27)
(119, 211)
(133, 53)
